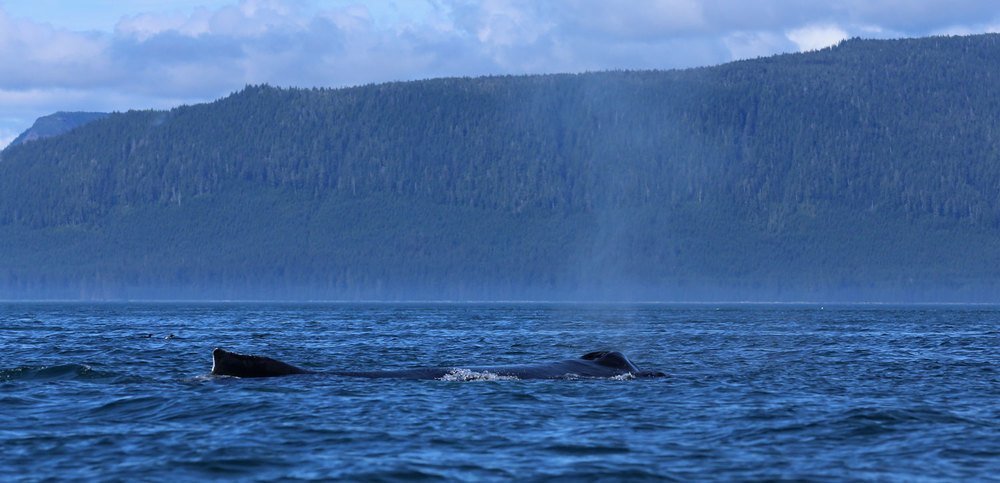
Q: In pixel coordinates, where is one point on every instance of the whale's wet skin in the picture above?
(603, 364)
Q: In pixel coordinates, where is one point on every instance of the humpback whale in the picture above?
(601, 364)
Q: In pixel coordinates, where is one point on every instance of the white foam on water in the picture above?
(468, 375)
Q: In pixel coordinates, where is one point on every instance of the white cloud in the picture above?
(505, 24)
(815, 37)
(154, 58)
(751, 45)
(355, 18)
(6, 137)
(146, 25)
(635, 19)
(967, 29)
(35, 55)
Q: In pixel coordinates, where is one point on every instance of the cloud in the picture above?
(635, 19)
(36, 55)
(157, 59)
(209, 52)
(751, 45)
(815, 37)
(967, 29)
(915, 17)
(6, 137)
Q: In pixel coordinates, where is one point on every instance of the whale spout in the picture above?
(225, 363)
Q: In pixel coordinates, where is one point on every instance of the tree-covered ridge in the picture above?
(791, 167)
(894, 125)
(56, 124)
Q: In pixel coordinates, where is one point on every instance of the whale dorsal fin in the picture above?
(593, 355)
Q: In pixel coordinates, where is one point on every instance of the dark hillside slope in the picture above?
(56, 124)
(867, 171)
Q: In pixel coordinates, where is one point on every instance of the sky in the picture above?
(116, 55)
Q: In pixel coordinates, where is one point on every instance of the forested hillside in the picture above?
(866, 171)
(55, 124)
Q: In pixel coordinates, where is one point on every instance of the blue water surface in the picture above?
(122, 392)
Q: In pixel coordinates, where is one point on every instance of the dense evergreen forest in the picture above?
(868, 171)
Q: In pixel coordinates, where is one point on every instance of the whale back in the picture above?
(618, 361)
(612, 359)
(593, 364)
(225, 363)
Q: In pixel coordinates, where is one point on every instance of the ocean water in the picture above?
(121, 392)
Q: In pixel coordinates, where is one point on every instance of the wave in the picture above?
(60, 372)
(882, 419)
(44, 373)
(469, 375)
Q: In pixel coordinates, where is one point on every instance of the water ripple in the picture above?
(754, 393)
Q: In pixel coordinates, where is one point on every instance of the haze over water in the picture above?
(754, 392)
